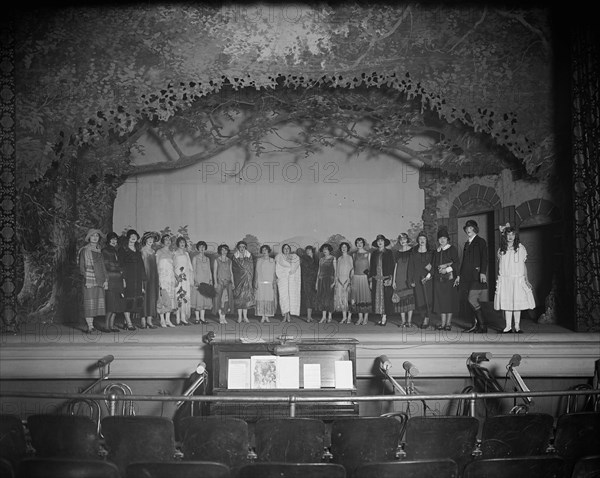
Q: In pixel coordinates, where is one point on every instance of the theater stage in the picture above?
(43, 351)
(61, 358)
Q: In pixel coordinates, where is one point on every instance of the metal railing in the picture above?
(294, 400)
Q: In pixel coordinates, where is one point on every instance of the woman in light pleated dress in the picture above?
(343, 281)
(513, 290)
(326, 283)
(202, 274)
(265, 282)
(360, 295)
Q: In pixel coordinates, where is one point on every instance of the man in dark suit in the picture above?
(472, 278)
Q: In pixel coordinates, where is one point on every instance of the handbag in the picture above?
(398, 295)
(206, 290)
(446, 276)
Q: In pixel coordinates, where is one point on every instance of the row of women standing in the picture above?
(414, 278)
(147, 283)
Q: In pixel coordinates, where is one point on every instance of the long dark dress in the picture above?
(325, 281)
(309, 268)
(381, 271)
(416, 272)
(134, 273)
(151, 295)
(403, 289)
(113, 295)
(445, 295)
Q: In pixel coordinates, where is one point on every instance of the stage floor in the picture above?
(51, 351)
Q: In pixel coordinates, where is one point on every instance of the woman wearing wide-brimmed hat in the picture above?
(165, 303)
(381, 277)
(95, 278)
(403, 296)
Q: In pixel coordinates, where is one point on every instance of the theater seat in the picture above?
(505, 436)
(215, 438)
(440, 437)
(355, 441)
(408, 469)
(520, 467)
(587, 467)
(138, 438)
(292, 470)
(577, 435)
(63, 436)
(13, 446)
(66, 468)
(6, 469)
(294, 440)
(178, 469)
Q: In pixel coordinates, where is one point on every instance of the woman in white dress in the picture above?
(265, 282)
(287, 270)
(165, 303)
(184, 274)
(513, 291)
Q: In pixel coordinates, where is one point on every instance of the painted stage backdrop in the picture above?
(276, 123)
(274, 198)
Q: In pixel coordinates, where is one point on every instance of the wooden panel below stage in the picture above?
(51, 352)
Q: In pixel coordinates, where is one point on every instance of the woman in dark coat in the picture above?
(309, 267)
(134, 273)
(381, 274)
(115, 302)
(419, 265)
(445, 264)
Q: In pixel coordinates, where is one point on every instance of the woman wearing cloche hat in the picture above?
(381, 272)
(95, 278)
(445, 264)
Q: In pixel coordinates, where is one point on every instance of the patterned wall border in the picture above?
(7, 174)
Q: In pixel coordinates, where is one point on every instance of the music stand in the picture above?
(518, 385)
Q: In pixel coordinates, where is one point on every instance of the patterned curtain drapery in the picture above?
(586, 176)
(8, 291)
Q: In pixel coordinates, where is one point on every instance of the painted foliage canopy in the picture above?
(92, 73)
